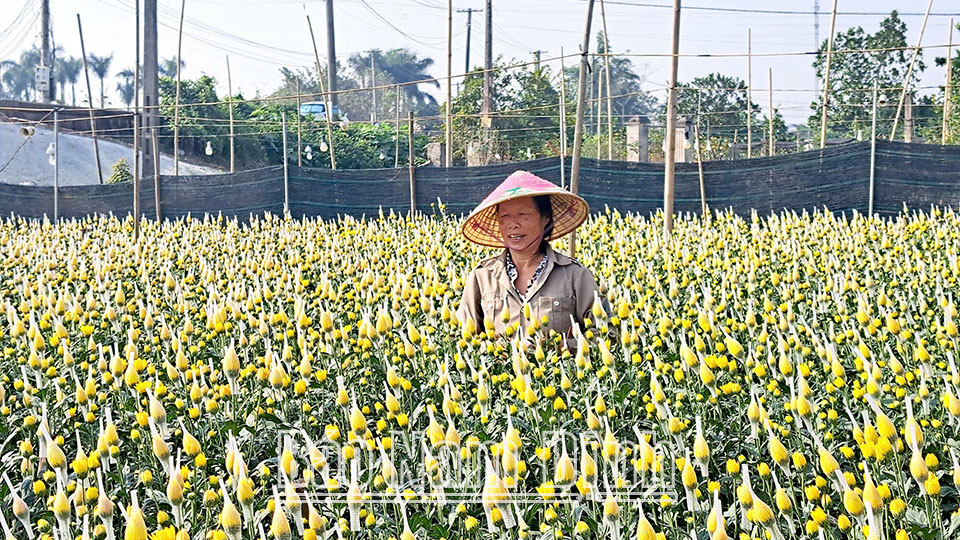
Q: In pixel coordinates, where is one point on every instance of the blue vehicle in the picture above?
(318, 111)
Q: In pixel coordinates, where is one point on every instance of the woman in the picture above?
(522, 215)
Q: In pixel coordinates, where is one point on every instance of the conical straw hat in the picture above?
(482, 226)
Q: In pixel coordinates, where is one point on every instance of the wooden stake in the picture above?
(413, 181)
(906, 81)
(327, 101)
(826, 78)
(696, 141)
(581, 108)
(93, 123)
(946, 87)
(668, 161)
(230, 109)
(136, 180)
(56, 165)
(176, 102)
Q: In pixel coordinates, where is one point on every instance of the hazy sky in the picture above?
(260, 36)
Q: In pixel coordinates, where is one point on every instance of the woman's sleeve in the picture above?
(585, 287)
(470, 302)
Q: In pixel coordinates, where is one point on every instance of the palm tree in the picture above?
(126, 86)
(69, 72)
(168, 67)
(403, 66)
(101, 68)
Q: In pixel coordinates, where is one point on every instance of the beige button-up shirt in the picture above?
(564, 288)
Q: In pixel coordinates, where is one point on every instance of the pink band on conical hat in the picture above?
(482, 226)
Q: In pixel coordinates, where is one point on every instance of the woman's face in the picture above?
(521, 225)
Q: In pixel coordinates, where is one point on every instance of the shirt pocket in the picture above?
(491, 305)
(557, 309)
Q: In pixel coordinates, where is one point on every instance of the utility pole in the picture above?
(45, 48)
(151, 85)
(536, 60)
(331, 59)
(469, 12)
(581, 108)
(486, 105)
(670, 157)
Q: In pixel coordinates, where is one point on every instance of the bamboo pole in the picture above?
(396, 137)
(326, 100)
(606, 59)
(772, 142)
(749, 93)
(286, 175)
(599, 112)
(581, 109)
(176, 103)
(448, 128)
(563, 122)
(412, 165)
(156, 173)
(826, 78)
(299, 129)
(93, 123)
(906, 81)
(56, 165)
(230, 109)
(696, 142)
(136, 180)
(946, 87)
(669, 164)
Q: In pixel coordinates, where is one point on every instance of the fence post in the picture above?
(413, 181)
(286, 178)
(873, 153)
(156, 174)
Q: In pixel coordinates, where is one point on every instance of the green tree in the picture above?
(953, 120)
(100, 65)
(527, 124)
(68, 71)
(853, 75)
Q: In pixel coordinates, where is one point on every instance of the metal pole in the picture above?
(331, 59)
(156, 173)
(93, 123)
(286, 177)
(772, 142)
(469, 12)
(176, 103)
(230, 109)
(873, 152)
(327, 98)
(946, 87)
(413, 183)
(606, 68)
(396, 136)
(906, 81)
(448, 131)
(56, 165)
(669, 165)
(826, 78)
(581, 108)
(749, 93)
